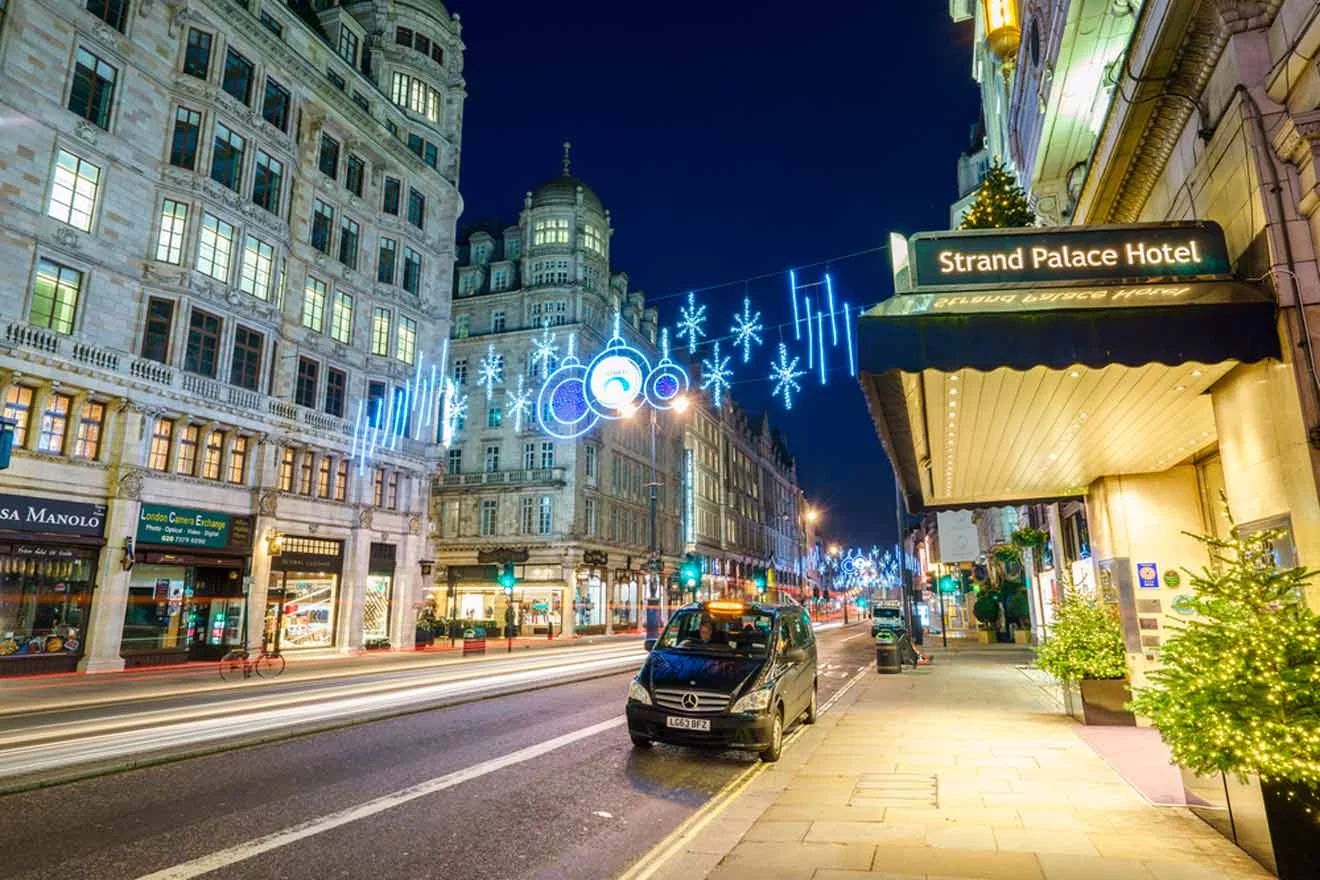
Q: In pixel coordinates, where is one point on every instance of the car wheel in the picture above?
(810, 717)
(771, 754)
(639, 742)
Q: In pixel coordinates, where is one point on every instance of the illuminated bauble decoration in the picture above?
(668, 381)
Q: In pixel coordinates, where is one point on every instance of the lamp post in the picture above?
(1003, 33)
(654, 591)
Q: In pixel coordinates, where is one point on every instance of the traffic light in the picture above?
(690, 573)
(507, 580)
(6, 441)
(758, 578)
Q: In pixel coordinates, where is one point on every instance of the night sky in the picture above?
(729, 145)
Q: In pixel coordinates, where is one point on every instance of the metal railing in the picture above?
(521, 476)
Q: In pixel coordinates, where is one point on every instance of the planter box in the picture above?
(1267, 824)
(1103, 700)
(984, 636)
(1022, 636)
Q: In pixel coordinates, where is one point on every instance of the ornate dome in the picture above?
(562, 190)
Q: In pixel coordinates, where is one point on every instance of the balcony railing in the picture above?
(520, 477)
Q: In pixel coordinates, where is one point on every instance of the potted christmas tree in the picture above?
(1085, 647)
(986, 610)
(1237, 698)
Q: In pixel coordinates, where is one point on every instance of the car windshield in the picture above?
(747, 634)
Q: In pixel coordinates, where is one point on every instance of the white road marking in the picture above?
(255, 847)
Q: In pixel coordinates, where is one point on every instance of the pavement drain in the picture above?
(895, 789)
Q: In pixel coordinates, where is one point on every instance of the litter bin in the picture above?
(474, 641)
(887, 659)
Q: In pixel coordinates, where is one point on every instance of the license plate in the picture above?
(687, 723)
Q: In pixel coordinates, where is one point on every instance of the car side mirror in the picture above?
(649, 644)
(795, 655)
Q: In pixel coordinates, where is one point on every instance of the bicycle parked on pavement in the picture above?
(241, 662)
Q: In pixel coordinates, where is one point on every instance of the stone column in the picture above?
(408, 587)
(567, 612)
(352, 587)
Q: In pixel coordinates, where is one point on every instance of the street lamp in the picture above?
(1003, 33)
(653, 611)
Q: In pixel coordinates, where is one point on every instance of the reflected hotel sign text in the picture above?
(1069, 254)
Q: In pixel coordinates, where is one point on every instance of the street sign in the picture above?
(1148, 575)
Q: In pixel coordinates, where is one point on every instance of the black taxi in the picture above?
(726, 674)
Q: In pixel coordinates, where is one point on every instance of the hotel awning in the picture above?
(1030, 393)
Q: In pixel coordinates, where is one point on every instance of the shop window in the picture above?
(169, 236)
(203, 343)
(187, 135)
(197, 55)
(328, 159)
(185, 460)
(341, 480)
(237, 80)
(323, 478)
(275, 105)
(43, 603)
(286, 469)
(91, 421)
(55, 296)
(488, 510)
(305, 389)
(227, 157)
(161, 434)
(341, 317)
(336, 390)
(214, 455)
(376, 607)
(392, 491)
(93, 92)
(313, 310)
(300, 610)
(238, 460)
(73, 190)
(154, 619)
(305, 474)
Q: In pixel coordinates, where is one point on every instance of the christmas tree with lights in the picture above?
(999, 204)
(1239, 687)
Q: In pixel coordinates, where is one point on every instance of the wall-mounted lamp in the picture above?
(427, 566)
(274, 542)
(128, 559)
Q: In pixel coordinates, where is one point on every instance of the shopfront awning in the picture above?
(1013, 395)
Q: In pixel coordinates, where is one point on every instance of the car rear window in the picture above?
(747, 634)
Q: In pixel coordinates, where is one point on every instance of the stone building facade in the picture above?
(225, 230)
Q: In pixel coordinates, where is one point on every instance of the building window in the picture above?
(93, 93)
(437, 54)
(336, 392)
(494, 416)
(385, 261)
(416, 208)
(527, 515)
(323, 479)
(275, 105)
(348, 45)
(361, 100)
(187, 134)
(390, 203)
(18, 409)
(341, 480)
(455, 462)
(354, 172)
(305, 473)
(592, 240)
(403, 36)
(267, 181)
(245, 368)
(529, 456)
(323, 221)
(87, 445)
(550, 230)
(341, 318)
(412, 271)
(197, 55)
(185, 459)
(432, 155)
(590, 463)
(497, 322)
(305, 391)
(55, 296)
(462, 326)
(156, 336)
(237, 80)
(460, 371)
(499, 279)
(488, 509)
(54, 424)
(415, 95)
(73, 190)
(589, 516)
(227, 157)
(215, 247)
(547, 455)
(416, 143)
(255, 273)
(336, 80)
(158, 459)
(169, 236)
(215, 451)
(348, 243)
(286, 470)
(238, 460)
(271, 24)
(392, 491)
(376, 404)
(378, 488)
(313, 311)
(546, 518)
(203, 343)
(405, 340)
(492, 459)
(550, 272)
(328, 160)
(380, 332)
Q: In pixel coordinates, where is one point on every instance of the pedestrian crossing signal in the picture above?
(507, 580)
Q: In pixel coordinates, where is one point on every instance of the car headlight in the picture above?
(753, 701)
(637, 693)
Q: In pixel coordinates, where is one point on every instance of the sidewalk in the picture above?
(20, 695)
(963, 769)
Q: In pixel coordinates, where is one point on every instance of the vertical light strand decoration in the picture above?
(847, 333)
(829, 292)
(820, 334)
(811, 348)
(797, 321)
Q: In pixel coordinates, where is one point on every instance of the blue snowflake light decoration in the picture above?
(544, 348)
(490, 371)
(691, 322)
(519, 404)
(716, 375)
(784, 374)
(746, 329)
(453, 410)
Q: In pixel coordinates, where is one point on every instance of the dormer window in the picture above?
(348, 45)
(512, 248)
(480, 254)
(550, 230)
